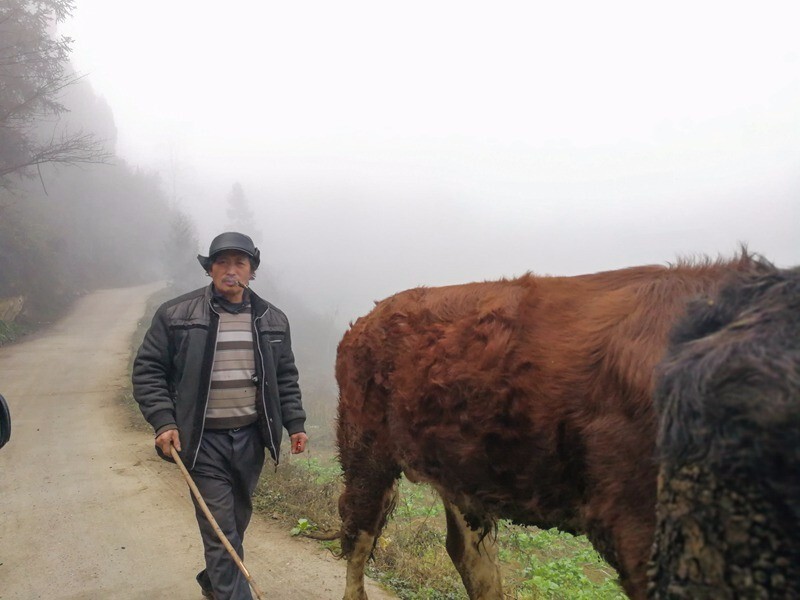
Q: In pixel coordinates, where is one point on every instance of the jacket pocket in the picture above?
(272, 336)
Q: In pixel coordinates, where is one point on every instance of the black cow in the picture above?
(728, 401)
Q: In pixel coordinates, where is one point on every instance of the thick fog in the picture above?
(384, 146)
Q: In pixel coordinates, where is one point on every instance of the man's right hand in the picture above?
(166, 439)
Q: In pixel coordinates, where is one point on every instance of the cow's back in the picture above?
(518, 396)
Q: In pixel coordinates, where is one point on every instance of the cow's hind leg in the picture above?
(474, 554)
(367, 501)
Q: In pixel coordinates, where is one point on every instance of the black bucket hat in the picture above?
(230, 240)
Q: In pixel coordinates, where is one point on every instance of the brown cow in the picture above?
(527, 399)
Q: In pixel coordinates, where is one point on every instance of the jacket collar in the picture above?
(228, 306)
(258, 304)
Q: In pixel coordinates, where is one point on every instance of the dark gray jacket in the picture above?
(172, 371)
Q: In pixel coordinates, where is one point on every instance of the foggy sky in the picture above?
(384, 146)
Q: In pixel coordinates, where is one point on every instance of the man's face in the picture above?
(228, 268)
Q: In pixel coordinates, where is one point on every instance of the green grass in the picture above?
(125, 396)
(410, 556)
(554, 564)
(11, 332)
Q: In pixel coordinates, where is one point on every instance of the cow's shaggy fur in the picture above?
(729, 446)
(528, 399)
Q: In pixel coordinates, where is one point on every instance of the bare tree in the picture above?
(34, 71)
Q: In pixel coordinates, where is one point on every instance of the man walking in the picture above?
(215, 377)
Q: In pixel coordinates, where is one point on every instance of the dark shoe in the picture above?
(204, 582)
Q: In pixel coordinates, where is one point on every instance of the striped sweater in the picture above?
(232, 398)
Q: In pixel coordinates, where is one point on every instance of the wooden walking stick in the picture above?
(214, 524)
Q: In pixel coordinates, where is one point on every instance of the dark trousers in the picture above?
(226, 472)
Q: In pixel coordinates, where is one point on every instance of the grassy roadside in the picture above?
(40, 318)
(410, 557)
(126, 395)
(11, 332)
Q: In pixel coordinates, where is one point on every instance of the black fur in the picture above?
(728, 400)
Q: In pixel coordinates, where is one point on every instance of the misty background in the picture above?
(386, 146)
(371, 147)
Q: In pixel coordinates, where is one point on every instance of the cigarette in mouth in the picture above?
(242, 285)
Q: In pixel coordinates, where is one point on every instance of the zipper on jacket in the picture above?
(263, 385)
(208, 391)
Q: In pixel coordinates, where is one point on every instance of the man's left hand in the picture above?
(298, 442)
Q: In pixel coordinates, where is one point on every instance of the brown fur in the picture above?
(528, 399)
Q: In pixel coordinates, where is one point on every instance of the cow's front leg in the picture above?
(474, 556)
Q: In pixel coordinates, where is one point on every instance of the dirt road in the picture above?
(87, 511)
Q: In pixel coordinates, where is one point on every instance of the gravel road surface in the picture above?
(87, 510)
